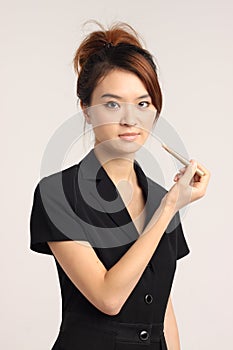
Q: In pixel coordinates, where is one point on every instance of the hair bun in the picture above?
(118, 33)
(118, 47)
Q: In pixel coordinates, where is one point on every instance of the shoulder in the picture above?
(149, 186)
(156, 186)
(58, 187)
(65, 178)
(158, 192)
(155, 190)
(64, 174)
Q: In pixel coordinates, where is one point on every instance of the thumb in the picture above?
(189, 173)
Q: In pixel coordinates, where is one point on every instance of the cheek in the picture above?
(101, 119)
(105, 131)
(147, 123)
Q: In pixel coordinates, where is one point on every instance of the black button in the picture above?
(148, 298)
(144, 335)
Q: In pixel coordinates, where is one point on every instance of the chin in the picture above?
(119, 147)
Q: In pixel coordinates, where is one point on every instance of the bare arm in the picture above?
(170, 328)
(108, 290)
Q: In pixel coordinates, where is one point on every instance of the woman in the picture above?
(114, 233)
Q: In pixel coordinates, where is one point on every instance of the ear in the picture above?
(85, 112)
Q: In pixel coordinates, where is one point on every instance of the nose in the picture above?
(128, 115)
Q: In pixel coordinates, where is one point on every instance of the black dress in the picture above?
(82, 203)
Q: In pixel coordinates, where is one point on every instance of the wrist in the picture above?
(168, 206)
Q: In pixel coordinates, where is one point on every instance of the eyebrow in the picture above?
(120, 98)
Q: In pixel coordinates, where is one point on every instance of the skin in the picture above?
(117, 107)
(108, 290)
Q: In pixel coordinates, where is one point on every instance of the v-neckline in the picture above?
(95, 171)
(128, 213)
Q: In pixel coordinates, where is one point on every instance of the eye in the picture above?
(144, 104)
(112, 105)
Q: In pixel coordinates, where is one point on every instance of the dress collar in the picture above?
(104, 194)
(91, 169)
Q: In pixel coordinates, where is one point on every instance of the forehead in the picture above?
(121, 83)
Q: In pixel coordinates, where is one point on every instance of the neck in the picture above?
(118, 166)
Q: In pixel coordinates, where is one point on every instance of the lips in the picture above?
(129, 134)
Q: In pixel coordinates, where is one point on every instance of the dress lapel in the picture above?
(102, 194)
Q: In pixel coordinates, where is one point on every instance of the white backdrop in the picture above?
(192, 42)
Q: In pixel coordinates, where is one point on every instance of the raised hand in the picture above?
(189, 186)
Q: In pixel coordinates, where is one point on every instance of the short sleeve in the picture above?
(51, 218)
(182, 246)
(177, 238)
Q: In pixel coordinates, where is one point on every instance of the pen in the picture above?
(181, 159)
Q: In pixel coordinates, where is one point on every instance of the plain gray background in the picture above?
(192, 42)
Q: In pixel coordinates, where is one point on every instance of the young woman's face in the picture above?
(121, 112)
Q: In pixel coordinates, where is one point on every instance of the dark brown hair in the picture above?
(118, 47)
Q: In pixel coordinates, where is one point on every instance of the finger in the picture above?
(182, 170)
(192, 182)
(204, 180)
(205, 170)
(196, 178)
(176, 178)
(189, 173)
(201, 182)
(178, 175)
